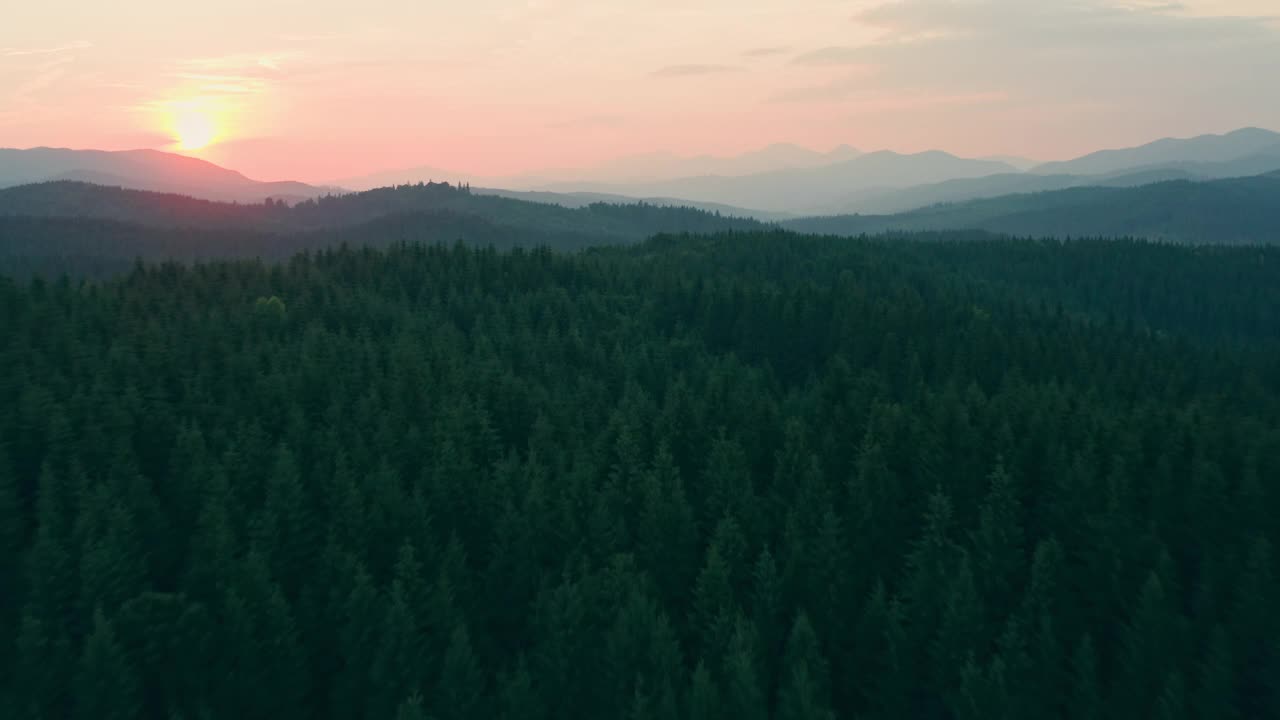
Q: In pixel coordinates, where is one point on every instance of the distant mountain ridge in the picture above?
(802, 190)
(645, 167)
(1207, 157)
(1201, 149)
(777, 182)
(150, 170)
(44, 227)
(1231, 211)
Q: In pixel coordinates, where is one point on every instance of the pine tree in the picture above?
(1086, 696)
(520, 700)
(1215, 695)
(211, 562)
(289, 531)
(805, 692)
(744, 697)
(983, 695)
(12, 538)
(1149, 646)
(961, 633)
(1257, 633)
(398, 667)
(112, 561)
(410, 709)
(665, 532)
(43, 662)
(458, 692)
(51, 582)
(704, 695)
(1171, 704)
(998, 543)
(766, 611)
(362, 613)
(106, 687)
(713, 606)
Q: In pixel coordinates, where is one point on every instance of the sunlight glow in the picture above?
(194, 124)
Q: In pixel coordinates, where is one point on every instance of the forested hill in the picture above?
(608, 221)
(1233, 211)
(748, 477)
(90, 230)
(99, 249)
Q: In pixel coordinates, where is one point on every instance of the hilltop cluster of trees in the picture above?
(748, 476)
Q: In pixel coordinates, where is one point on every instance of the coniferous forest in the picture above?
(747, 476)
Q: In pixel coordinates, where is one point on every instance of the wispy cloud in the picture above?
(762, 52)
(855, 81)
(23, 52)
(834, 55)
(231, 84)
(682, 71)
(245, 62)
(589, 121)
(914, 102)
(1121, 51)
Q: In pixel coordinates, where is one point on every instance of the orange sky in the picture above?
(323, 89)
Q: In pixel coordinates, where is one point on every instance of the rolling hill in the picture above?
(610, 220)
(577, 200)
(644, 167)
(67, 225)
(804, 190)
(1202, 149)
(1232, 211)
(151, 170)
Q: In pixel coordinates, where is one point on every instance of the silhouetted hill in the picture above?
(612, 221)
(1238, 210)
(1202, 149)
(644, 167)
(896, 200)
(577, 200)
(145, 170)
(72, 226)
(805, 189)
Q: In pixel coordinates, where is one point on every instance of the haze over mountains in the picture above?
(643, 168)
(776, 183)
(886, 182)
(1243, 210)
(145, 170)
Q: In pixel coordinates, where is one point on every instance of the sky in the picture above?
(320, 90)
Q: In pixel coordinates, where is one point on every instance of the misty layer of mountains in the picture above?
(146, 170)
(1210, 190)
(1231, 211)
(90, 229)
(787, 180)
(776, 183)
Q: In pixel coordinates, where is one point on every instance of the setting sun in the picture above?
(195, 130)
(194, 124)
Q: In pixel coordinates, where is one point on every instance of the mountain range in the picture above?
(146, 170)
(45, 226)
(886, 182)
(775, 183)
(1232, 211)
(641, 168)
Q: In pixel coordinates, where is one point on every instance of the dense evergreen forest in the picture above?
(743, 476)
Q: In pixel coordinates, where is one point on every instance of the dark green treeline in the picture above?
(752, 476)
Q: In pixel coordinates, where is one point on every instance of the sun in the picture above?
(194, 127)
